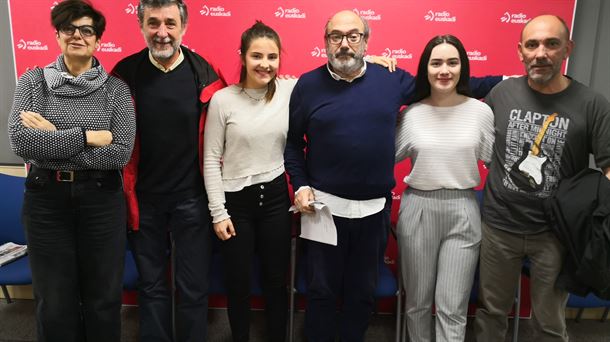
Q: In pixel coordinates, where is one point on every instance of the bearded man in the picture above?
(167, 202)
(340, 151)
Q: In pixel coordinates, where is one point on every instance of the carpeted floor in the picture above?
(17, 324)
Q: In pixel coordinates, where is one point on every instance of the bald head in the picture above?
(547, 21)
(347, 20)
(545, 44)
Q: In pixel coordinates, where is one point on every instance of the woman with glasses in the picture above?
(439, 226)
(75, 127)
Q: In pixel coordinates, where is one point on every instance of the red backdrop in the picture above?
(489, 30)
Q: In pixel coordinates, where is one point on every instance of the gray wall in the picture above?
(7, 84)
(589, 64)
(590, 61)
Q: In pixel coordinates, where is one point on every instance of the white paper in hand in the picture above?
(319, 226)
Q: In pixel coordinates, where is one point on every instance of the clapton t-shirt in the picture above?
(540, 139)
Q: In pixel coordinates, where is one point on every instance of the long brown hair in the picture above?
(258, 30)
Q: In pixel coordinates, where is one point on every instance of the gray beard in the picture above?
(164, 54)
(348, 67)
(544, 78)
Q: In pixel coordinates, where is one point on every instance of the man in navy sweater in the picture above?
(347, 111)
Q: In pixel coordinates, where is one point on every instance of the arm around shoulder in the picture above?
(481, 86)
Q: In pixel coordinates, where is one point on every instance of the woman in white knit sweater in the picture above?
(243, 166)
(439, 227)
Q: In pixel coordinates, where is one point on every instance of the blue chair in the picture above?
(17, 272)
(130, 273)
(590, 301)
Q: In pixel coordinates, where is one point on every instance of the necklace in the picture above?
(243, 90)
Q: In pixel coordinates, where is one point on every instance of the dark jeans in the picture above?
(188, 221)
(262, 224)
(347, 271)
(76, 243)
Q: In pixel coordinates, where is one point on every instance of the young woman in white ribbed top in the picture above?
(439, 227)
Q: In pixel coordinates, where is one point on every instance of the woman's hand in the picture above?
(388, 62)
(224, 229)
(34, 120)
(98, 138)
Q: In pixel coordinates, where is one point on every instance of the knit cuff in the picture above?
(84, 136)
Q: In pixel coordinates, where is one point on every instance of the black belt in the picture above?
(75, 175)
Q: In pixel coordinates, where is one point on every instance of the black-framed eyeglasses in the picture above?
(337, 38)
(85, 30)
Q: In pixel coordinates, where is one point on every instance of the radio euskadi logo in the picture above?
(443, 16)
(397, 53)
(290, 13)
(514, 18)
(131, 8)
(368, 14)
(109, 47)
(32, 45)
(214, 11)
(476, 56)
(318, 52)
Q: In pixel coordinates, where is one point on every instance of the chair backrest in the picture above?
(11, 201)
(590, 301)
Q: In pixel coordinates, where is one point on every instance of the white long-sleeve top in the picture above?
(445, 143)
(244, 141)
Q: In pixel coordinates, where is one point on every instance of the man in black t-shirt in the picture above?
(546, 126)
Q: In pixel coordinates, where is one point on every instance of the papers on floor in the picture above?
(11, 251)
(319, 226)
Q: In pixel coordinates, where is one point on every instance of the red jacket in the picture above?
(209, 80)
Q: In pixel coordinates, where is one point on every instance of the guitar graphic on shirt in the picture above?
(528, 171)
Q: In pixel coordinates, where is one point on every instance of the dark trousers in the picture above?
(76, 242)
(188, 222)
(347, 271)
(262, 224)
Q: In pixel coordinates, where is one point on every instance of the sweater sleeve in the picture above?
(294, 153)
(30, 143)
(407, 86)
(213, 150)
(487, 135)
(402, 148)
(123, 128)
(481, 86)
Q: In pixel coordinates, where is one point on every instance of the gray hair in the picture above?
(365, 23)
(184, 15)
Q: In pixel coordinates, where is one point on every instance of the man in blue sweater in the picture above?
(344, 113)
